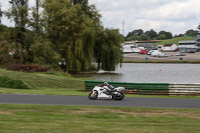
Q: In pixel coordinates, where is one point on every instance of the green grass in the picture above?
(75, 92)
(51, 83)
(45, 80)
(82, 119)
(48, 91)
(175, 40)
(12, 83)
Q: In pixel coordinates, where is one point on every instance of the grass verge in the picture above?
(77, 92)
(175, 40)
(49, 83)
(45, 80)
(82, 119)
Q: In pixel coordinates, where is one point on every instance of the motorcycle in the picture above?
(106, 91)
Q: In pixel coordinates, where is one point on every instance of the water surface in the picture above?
(151, 73)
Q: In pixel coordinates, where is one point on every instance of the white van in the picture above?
(157, 53)
(151, 51)
(128, 48)
(154, 53)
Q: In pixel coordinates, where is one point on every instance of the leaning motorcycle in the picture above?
(103, 92)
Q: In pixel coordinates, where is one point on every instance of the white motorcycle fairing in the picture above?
(119, 89)
(101, 95)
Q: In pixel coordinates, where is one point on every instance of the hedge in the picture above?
(12, 83)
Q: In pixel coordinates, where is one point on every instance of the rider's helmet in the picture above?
(105, 84)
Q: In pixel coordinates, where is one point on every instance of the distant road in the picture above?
(83, 100)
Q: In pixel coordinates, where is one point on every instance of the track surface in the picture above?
(83, 100)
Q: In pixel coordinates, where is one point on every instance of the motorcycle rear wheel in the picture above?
(91, 96)
(119, 97)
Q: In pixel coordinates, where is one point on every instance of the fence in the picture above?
(184, 89)
(151, 88)
(134, 88)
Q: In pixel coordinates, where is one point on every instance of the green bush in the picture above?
(12, 83)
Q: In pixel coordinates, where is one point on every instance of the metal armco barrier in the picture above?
(184, 89)
(151, 88)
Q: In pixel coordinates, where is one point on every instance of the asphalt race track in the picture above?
(84, 101)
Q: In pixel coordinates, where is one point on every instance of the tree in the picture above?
(161, 37)
(135, 33)
(198, 27)
(84, 3)
(1, 13)
(71, 31)
(5, 49)
(133, 38)
(35, 20)
(152, 34)
(108, 50)
(191, 32)
(179, 35)
(43, 53)
(168, 35)
(19, 14)
(144, 37)
(65, 30)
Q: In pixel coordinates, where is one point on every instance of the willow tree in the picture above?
(72, 31)
(44, 53)
(108, 51)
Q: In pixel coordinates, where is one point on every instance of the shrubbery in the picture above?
(12, 83)
(27, 68)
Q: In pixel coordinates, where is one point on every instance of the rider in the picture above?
(109, 87)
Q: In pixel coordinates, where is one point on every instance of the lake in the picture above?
(150, 73)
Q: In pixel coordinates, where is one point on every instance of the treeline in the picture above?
(153, 35)
(53, 31)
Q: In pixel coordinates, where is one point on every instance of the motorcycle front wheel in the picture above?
(93, 96)
(119, 97)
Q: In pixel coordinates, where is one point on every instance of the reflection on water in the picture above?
(150, 73)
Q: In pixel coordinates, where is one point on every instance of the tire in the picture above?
(91, 97)
(116, 97)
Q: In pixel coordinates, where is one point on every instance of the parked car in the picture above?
(125, 51)
(143, 51)
(153, 53)
(180, 54)
(157, 53)
(128, 48)
(162, 55)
